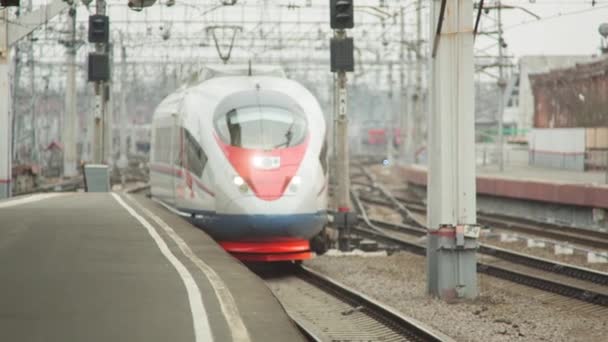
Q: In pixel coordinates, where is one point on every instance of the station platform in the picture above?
(594, 178)
(586, 189)
(120, 267)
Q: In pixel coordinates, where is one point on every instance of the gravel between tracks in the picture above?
(501, 313)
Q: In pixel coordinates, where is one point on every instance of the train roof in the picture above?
(212, 71)
(235, 85)
(227, 70)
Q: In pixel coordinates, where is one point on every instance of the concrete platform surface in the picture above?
(117, 267)
(596, 178)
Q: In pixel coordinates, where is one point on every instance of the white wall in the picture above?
(564, 140)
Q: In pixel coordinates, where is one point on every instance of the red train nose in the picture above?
(267, 173)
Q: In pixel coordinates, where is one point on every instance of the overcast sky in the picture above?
(570, 33)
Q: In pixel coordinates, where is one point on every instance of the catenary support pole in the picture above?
(343, 167)
(410, 119)
(100, 102)
(502, 84)
(419, 120)
(122, 160)
(5, 109)
(11, 32)
(390, 123)
(452, 230)
(70, 118)
(403, 101)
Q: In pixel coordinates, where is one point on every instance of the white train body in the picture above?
(245, 157)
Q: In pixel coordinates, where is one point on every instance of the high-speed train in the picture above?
(242, 152)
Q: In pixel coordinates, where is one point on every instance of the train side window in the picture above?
(195, 156)
(323, 157)
(162, 145)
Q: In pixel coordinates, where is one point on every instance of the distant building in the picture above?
(571, 97)
(570, 118)
(518, 116)
(531, 65)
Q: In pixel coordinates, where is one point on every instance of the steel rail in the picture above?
(558, 232)
(543, 283)
(501, 272)
(388, 322)
(547, 265)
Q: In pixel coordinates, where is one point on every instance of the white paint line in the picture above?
(228, 304)
(200, 321)
(26, 200)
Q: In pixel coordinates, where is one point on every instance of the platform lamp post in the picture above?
(342, 61)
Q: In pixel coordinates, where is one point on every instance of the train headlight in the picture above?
(240, 183)
(295, 183)
(258, 161)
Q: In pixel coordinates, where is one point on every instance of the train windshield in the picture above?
(265, 128)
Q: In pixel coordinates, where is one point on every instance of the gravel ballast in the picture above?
(503, 311)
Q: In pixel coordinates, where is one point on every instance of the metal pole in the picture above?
(418, 132)
(123, 161)
(403, 112)
(501, 92)
(108, 123)
(16, 79)
(343, 173)
(390, 125)
(132, 148)
(5, 109)
(34, 155)
(70, 117)
(452, 230)
(410, 112)
(100, 103)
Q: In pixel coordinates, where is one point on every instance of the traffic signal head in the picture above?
(342, 54)
(9, 3)
(99, 67)
(99, 29)
(341, 14)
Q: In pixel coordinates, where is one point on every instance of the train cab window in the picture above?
(195, 156)
(162, 146)
(261, 127)
(323, 157)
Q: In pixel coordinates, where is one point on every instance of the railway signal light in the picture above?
(99, 67)
(341, 14)
(99, 29)
(342, 54)
(9, 3)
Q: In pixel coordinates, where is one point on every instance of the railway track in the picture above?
(563, 279)
(590, 238)
(326, 310)
(561, 233)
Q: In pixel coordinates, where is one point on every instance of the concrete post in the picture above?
(5, 108)
(452, 230)
(70, 118)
